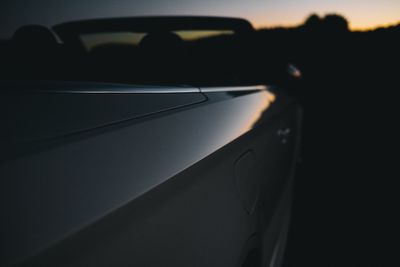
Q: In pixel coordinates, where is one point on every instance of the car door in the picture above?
(197, 185)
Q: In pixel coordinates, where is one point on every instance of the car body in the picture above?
(117, 173)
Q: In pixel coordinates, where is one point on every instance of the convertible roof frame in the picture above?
(70, 30)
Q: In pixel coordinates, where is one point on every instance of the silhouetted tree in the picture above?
(313, 21)
(334, 23)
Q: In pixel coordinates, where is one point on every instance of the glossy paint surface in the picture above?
(38, 113)
(57, 191)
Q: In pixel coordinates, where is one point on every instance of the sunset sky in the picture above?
(362, 14)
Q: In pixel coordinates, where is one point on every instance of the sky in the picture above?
(362, 14)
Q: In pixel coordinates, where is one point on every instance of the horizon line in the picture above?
(351, 28)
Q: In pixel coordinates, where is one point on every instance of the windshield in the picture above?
(137, 50)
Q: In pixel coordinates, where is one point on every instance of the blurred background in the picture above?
(362, 15)
(346, 197)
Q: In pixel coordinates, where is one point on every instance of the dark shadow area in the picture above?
(346, 191)
(346, 200)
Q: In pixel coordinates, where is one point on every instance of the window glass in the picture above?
(93, 40)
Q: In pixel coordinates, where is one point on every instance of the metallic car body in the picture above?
(203, 180)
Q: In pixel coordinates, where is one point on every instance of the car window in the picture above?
(93, 40)
(192, 35)
(96, 40)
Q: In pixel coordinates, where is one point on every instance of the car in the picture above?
(117, 151)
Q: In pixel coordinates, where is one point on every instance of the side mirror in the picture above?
(294, 71)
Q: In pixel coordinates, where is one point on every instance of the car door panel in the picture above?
(154, 191)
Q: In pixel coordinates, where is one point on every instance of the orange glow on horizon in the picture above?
(369, 28)
(353, 26)
(365, 15)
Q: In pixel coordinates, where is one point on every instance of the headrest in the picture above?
(34, 36)
(161, 40)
